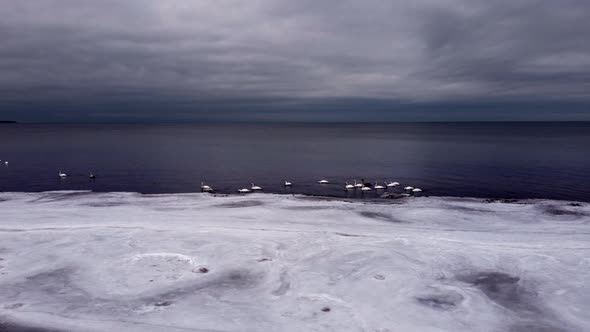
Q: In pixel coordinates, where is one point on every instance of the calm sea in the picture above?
(509, 160)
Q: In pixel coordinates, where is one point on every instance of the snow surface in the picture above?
(81, 261)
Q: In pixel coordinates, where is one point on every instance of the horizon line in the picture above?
(12, 122)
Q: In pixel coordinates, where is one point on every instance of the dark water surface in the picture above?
(512, 160)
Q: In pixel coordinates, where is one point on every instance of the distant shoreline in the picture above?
(8, 121)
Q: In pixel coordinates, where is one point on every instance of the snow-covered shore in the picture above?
(81, 261)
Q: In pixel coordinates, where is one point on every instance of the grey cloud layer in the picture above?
(78, 51)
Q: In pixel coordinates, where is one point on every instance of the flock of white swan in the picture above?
(362, 185)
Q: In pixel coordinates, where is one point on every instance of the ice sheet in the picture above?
(81, 261)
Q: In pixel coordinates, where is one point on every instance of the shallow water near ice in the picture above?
(84, 261)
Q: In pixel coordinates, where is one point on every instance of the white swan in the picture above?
(287, 184)
(323, 181)
(61, 175)
(244, 190)
(255, 187)
(392, 184)
(417, 190)
(348, 186)
(357, 185)
(409, 188)
(91, 175)
(205, 188)
(366, 188)
(378, 186)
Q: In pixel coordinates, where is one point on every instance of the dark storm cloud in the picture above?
(76, 59)
(514, 48)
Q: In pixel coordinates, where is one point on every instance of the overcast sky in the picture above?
(328, 60)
